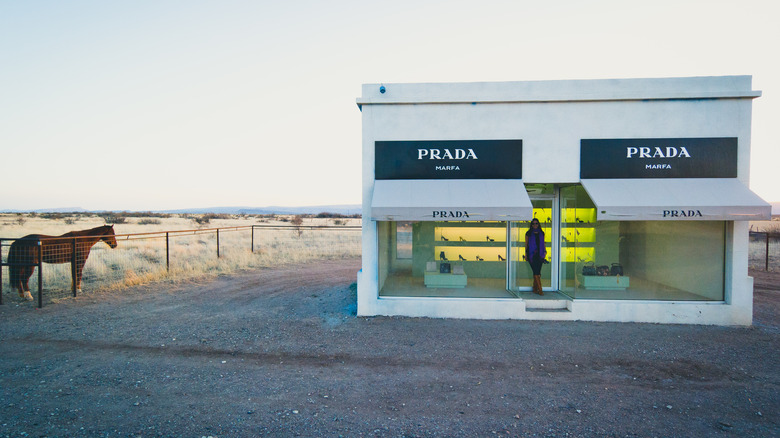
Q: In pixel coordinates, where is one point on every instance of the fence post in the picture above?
(766, 262)
(167, 254)
(253, 249)
(73, 266)
(40, 274)
(217, 242)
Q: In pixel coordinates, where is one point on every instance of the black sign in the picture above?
(659, 158)
(449, 159)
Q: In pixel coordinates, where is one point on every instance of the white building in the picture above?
(643, 182)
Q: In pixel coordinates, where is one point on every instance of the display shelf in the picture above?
(470, 241)
(469, 244)
(584, 240)
(479, 247)
(470, 253)
(479, 232)
(578, 215)
(582, 254)
(436, 279)
(578, 233)
(593, 282)
(480, 269)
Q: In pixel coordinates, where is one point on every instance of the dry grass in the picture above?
(758, 244)
(772, 227)
(140, 259)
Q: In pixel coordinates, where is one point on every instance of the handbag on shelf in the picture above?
(589, 269)
(445, 268)
(616, 269)
(602, 271)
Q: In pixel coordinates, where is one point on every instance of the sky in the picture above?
(153, 105)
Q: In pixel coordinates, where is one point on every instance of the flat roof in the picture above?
(685, 88)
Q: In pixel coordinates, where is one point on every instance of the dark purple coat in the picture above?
(530, 245)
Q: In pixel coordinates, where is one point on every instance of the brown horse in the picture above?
(23, 254)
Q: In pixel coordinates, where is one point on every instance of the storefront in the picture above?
(640, 187)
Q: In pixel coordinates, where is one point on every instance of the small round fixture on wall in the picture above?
(382, 89)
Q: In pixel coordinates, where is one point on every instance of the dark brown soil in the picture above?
(281, 353)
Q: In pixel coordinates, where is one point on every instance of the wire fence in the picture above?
(146, 257)
(52, 269)
(764, 252)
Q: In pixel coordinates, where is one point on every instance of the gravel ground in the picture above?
(280, 352)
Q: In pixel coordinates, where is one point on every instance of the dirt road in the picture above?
(281, 353)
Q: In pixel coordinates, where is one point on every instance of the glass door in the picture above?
(519, 274)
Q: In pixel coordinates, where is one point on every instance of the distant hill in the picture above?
(62, 210)
(349, 209)
(49, 210)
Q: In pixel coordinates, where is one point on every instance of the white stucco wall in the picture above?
(551, 117)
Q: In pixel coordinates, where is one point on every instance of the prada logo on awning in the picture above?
(682, 213)
(446, 154)
(646, 152)
(450, 214)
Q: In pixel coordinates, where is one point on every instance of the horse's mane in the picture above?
(103, 230)
(97, 231)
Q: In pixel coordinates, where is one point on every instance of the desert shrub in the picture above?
(205, 219)
(148, 221)
(201, 220)
(149, 214)
(773, 230)
(52, 216)
(328, 215)
(297, 221)
(114, 218)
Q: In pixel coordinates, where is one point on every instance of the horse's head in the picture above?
(108, 236)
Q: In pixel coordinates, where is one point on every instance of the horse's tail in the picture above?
(20, 253)
(15, 272)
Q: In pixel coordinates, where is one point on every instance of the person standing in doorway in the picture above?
(535, 252)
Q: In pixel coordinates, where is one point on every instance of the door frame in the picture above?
(555, 244)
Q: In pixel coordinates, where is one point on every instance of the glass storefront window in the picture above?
(445, 259)
(638, 260)
(589, 259)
